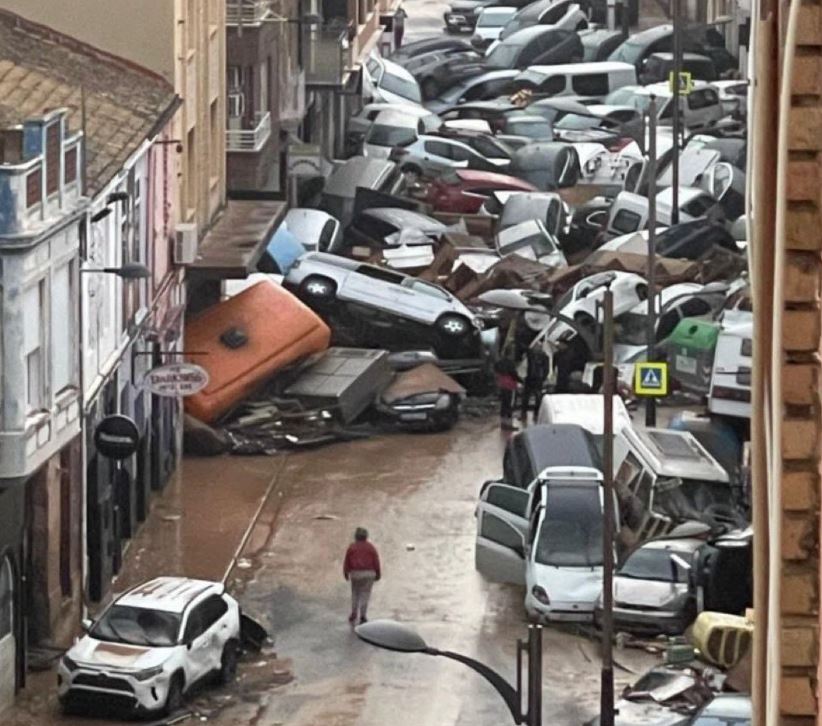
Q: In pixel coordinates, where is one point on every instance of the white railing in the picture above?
(249, 12)
(249, 139)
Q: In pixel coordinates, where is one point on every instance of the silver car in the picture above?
(384, 298)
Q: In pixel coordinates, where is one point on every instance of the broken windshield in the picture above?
(571, 533)
(137, 626)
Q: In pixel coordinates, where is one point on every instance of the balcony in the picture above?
(249, 138)
(247, 12)
(326, 56)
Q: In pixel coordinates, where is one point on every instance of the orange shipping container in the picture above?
(246, 339)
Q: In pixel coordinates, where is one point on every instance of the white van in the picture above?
(586, 81)
(583, 409)
(730, 393)
(547, 538)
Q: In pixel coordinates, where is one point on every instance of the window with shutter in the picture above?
(70, 166)
(34, 182)
(52, 158)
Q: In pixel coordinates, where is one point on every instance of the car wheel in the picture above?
(429, 89)
(318, 288)
(454, 326)
(228, 662)
(174, 698)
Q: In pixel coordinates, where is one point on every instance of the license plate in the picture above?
(413, 416)
(686, 364)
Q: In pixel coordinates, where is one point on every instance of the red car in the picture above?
(465, 190)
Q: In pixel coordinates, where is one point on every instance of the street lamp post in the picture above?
(675, 102)
(391, 635)
(650, 401)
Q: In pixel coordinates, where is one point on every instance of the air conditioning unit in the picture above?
(185, 244)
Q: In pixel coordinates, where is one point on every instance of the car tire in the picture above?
(429, 89)
(452, 325)
(174, 697)
(228, 662)
(318, 288)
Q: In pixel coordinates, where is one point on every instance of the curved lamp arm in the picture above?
(505, 689)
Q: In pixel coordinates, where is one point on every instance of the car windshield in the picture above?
(493, 18)
(401, 86)
(539, 243)
(654, 564)
(380, 135)
(531, 129)
(630, 98)
(577, 121)
(503, 56)
(628, 52)
(631, 329)
(571, 533)
(137, 626)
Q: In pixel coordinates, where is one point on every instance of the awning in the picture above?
(236, 242)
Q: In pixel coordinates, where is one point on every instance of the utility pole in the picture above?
(625, 19)
(611, 5)
(606, 693)
(650, 401)
(677, 19)
(534, 675)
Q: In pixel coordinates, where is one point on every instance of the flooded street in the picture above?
(416, 494)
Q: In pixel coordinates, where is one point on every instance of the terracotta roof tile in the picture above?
(41, 70)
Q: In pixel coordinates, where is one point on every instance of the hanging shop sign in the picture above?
(176, 379)
(116, 437)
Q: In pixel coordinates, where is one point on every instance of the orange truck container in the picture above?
(245, 340)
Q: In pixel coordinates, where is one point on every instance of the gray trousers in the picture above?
(361, 583)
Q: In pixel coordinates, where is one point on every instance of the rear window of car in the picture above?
(655, 564)
(626, 221)
(590, 84)
(380, 135)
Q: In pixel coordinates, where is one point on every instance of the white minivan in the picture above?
(629, 211)
(547, 538)
(730, 393)
(586, 81)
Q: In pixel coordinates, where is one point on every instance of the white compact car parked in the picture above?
(151, 645)
(547, 538)
(315, 230)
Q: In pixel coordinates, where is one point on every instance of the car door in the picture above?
(217, 629)
(702, 108)
(437, 157)
(198, 644)
(373, 287)
(502, 524)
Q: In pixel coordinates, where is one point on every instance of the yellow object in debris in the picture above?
(722, 639)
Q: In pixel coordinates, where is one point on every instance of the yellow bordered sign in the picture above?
(686, 82)
(651, 379)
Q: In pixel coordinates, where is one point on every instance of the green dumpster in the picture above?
(690, 353)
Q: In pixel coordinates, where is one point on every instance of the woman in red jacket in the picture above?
(362, 568)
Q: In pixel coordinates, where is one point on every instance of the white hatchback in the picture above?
(151, 645)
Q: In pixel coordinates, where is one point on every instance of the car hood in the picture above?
(468, 5)
(121, 656)
(582, 585)
(646, 593)
(647, 714)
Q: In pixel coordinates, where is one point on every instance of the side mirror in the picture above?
(85, 624)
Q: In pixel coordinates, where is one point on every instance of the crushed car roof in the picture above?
(171, 594)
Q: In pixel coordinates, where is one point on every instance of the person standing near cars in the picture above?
(507, 382)
(536, 371)
(361, 568)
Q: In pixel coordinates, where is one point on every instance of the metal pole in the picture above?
(626, 23)
(534, 675)
(650, 401)
(606, 694)
(675, 102)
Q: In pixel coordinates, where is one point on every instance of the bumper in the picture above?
(459, 21)
(93, 689)
(558, 612)
(647, 622)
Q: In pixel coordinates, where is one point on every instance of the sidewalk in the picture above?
(196, 528)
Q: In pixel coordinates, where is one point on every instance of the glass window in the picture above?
(438, 148)
(327, 234)
(694, 308)
(380, 135)
(699, 206)
(552, 85)
(62, 329)
(195, 625)
(702, 98)
(626, 221)
(590, 84)
(503, 56)
(405, 87)
(571, 531)
(508, 498)
(746, 348)
(498, 530)
(655, 564)
(427, 288)
(213, 608)
(137, 626)
(33, 299)
(743, 376)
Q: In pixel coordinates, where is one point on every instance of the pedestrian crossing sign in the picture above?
(651, 379)
(686, 82)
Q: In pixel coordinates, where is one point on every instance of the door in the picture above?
(374, 287)
(439, 157)
(8, 643)
(499, 552)
(198, 644)
(217, 624)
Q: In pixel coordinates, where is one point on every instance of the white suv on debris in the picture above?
(151, 645)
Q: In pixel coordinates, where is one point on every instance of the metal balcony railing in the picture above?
(252, 138)
(326, 55)
(247, 12)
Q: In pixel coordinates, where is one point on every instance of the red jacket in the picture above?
(361, 556)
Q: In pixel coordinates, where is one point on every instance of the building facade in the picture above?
(42, 212)
(183, 41)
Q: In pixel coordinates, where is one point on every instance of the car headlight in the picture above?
(443, 402)
(148, 673)
(540, 594)
(70, 665)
